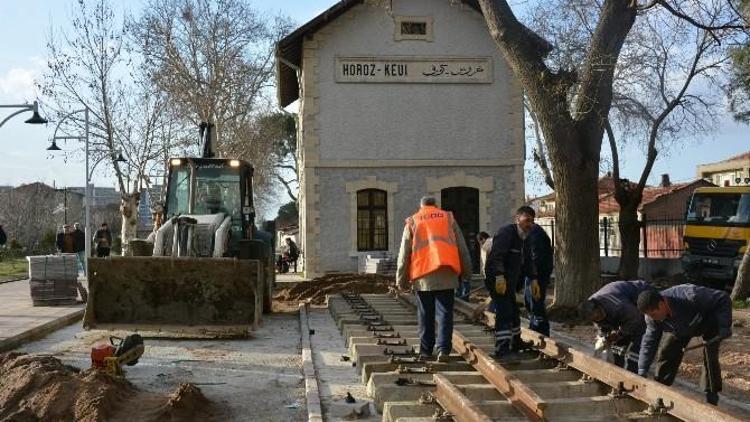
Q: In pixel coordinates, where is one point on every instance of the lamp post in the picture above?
(89, 171)
(87, 194)
(35, 119)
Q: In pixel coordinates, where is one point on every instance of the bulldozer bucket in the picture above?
(175, 297)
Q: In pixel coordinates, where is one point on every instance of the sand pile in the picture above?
(37, 388)
(316, 290)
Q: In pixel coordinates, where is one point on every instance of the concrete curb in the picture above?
(40, 331)
(312, 391)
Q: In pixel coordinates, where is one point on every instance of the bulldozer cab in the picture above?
(207, 186)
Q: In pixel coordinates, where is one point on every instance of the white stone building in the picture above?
(398, 99)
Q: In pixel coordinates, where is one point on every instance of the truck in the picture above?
(209, 272)
(717, 234)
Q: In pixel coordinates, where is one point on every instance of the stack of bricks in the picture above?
(53, 279)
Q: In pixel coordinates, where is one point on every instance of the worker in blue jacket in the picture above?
(538, 260)
(680, 313)
(614, 311)
(503, 272)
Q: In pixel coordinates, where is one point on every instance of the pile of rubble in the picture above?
(316, 290)
(34, 388)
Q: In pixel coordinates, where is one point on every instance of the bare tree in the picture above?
(214, 61)
(89, 67)
(572, 105)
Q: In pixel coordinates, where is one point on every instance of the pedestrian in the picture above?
(3, 236)
(614, 311)
(293, 252)
(103, 241)
(538, 262)
(503, 273)
(432, 257)
(65, 240)
(80, 246)
(678, 314)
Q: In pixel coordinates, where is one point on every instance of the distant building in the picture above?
(730, 172)
(100, 196)
(663, 206)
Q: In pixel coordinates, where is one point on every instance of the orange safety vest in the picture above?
(433, 242)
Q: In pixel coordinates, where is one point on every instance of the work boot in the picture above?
(712, 397)
(442, 356)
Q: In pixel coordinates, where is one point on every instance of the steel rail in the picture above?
(456, 403)
(684, 405)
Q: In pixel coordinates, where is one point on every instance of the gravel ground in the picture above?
(257, 379)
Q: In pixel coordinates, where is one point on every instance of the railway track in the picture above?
(551, 381)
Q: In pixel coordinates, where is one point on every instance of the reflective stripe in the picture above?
(423, 243)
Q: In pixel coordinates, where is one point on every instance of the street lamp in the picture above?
(35, 118)
(89, 172)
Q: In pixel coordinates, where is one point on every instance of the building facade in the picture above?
(398, 99)
(734, 171)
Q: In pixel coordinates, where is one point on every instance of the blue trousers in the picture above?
(464, 288)
(507, 321)
(537, 308)
(431, 305)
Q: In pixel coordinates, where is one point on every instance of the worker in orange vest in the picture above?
(432, 257)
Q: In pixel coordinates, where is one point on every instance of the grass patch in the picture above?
(11, 268)
(741, 304)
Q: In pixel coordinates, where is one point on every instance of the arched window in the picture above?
(372, 220)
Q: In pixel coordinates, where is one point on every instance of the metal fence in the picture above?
(660, 237)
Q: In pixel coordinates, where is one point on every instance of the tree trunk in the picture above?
(630, 239)
(129, 211)
(577, 269)
(741, 290)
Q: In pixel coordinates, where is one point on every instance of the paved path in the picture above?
(21, 322)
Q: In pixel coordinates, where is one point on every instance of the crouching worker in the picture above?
(432, 257)
(614, 311)
(678, 314)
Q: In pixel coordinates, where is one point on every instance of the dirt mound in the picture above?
(35, 388)
(316, 289)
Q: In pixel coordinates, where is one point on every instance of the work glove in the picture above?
(600, 344)
(536, 291)
(501, 286)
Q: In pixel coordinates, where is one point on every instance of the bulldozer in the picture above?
(210, 271)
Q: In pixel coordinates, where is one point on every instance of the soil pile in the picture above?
(316, 289)
(35, 388)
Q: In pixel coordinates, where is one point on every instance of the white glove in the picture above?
(600, 345)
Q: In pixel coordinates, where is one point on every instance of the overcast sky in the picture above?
(22, 59)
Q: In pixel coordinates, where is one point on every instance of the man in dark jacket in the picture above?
(678, 314)
(65, 241)
(103, 240)
(614, 311)
(3, 236)
(538, 257)
(502, 275)
(79, 246)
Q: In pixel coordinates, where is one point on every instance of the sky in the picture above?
(25, 160)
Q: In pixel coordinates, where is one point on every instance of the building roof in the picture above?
(608, 204)
(743, 156)
(289, 48)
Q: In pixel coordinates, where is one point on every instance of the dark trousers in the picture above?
(507, 320)
(669, 357)
(430, 305)
(537, 308)
(625, 351)
(102, 252)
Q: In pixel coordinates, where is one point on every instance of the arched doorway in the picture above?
(463, 202)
